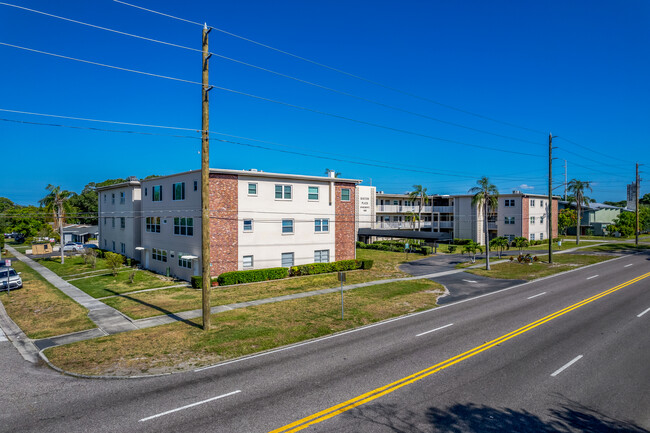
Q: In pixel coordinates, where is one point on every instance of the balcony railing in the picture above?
(402, 209)
(402, 225)
(492, 225)
(443, 209)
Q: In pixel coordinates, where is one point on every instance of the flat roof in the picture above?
(119, 185)
(249, 173)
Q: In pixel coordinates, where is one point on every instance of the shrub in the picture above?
(239, 277)
(451, 248)
(114, 261)
(360, 245)
(367, 264)
(426, 250)
(196, 281)
(462, 241)
(322, 268)
(132, 276)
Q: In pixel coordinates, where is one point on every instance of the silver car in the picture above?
(14, 280)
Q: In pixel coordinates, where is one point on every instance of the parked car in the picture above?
(19, 238)
(90, 246)
(15, 282)
(73, 246)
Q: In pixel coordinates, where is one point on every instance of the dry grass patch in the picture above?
(241, 332)
(521, 271)
(174, 300)
(40, 309)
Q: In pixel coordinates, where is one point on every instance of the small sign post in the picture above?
(341, 277)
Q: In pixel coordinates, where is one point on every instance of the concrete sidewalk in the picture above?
(107, 319)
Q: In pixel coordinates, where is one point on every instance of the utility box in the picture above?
(38, 249)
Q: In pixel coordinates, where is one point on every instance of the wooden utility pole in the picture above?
(205, 186)
(636, 200)
(550, 198)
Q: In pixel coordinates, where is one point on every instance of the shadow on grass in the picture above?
(569, 417)
(156, 307)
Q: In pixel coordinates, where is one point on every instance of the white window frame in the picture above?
(318, 256)
(318, 225)
(184, 224)
(244, 225)
(293, 260)
(532, 220)
(184, 263)
(244, 262)
(532, 236)
(293, 229)
(532, 203)
(541, 236)
(349, 194)
(309, 193)
(159, 255)
(248, 189)
(152, 224)
(285, 187)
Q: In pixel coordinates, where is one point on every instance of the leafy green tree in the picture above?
(566, 218)
(471, 248)
(419, 193)
(625, 223)
(57, 203)
(520, 242)
(114, 261)
(487, 196)
(85, 205)
(645, 200)
(412, 217)
(500, 244)
(621, 203)
(576, 188)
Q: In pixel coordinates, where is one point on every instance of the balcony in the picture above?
(401, 225)
(492, 225)
(444, 224)
(443, 209)
(393, 208)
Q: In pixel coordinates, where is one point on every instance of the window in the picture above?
(283, 192)
(112, 198)
(321, 225)
(509, 220)
(159, 255)
(532, 220)
(196, 185)
(156, 193)
(122, 248)
(287, 226)
(152, 224)
(145, 192)
(122, 199)
(113, 245)
(184, 263)
(105, 243)
(248, 225)
(509, 237)
(104, 198)
(532, 236)
(113, 223)
(122, 222)
(252, 188)
(287, 260)
(541, 236)
(247, 262)
(345, 194)
(532, 203)
(541, 219)
(184, 226)
(509, 203)
(313, 193)
(105, 220)
(179, 191)
(394, 201)
(321, 256)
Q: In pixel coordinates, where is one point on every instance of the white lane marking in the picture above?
(470, 281)
(593, 276)
(627, 266)
(565, 366)
(189, 405)
(539, 294)
(639, 315)
(395, 319)
(434, 330)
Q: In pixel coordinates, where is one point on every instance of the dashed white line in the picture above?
(639, 315)
(434, 330)
(565, 366)
(470, 281)
(534, 296)
(593, 276)
(189, 405)
(627, 266)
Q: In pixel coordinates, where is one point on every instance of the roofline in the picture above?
(248, 173)
(119, 185)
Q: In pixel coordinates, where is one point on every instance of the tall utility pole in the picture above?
(205, 186)
(550, 198)
(636, 200)
(565, 181)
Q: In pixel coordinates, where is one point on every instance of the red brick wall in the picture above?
(525, 217)
(223, 223)
(554, 211)
(345, 216)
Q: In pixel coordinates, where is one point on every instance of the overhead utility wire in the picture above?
(320, 86)
(395, 166)
(376, 83)
(287, 104)
(594, 151)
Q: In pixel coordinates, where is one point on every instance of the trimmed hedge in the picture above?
(251, 276)
(323, 268)
(458, 241)
(367, 264)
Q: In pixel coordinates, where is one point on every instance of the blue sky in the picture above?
(579, 69)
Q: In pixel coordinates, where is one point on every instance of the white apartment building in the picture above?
(257, 220)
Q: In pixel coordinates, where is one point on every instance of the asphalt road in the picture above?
(584, 368)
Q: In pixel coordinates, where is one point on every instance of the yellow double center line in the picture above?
(394, 386)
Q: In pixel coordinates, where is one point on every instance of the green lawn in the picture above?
(520, 271)
(40, 309)
(72, 265)
(235, 333)
(173, 300)
(622, 247)
(107, 284)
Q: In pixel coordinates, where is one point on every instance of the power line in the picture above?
(340, 92)
(591, 149)
(286, 104)
(341, 71)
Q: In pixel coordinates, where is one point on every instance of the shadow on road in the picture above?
(569, 417)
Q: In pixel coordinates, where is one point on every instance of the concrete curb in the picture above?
(18, 338)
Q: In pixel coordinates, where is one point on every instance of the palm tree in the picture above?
(57, 203)
(419, 194)
(576, 189)
(470, 248)
(501, 243)
(486, 195)
(328, 171)
(412, 217)
(521, 243)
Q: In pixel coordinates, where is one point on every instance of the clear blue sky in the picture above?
(579, 69)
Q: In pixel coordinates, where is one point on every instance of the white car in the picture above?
(14, 280)
(73, 246)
